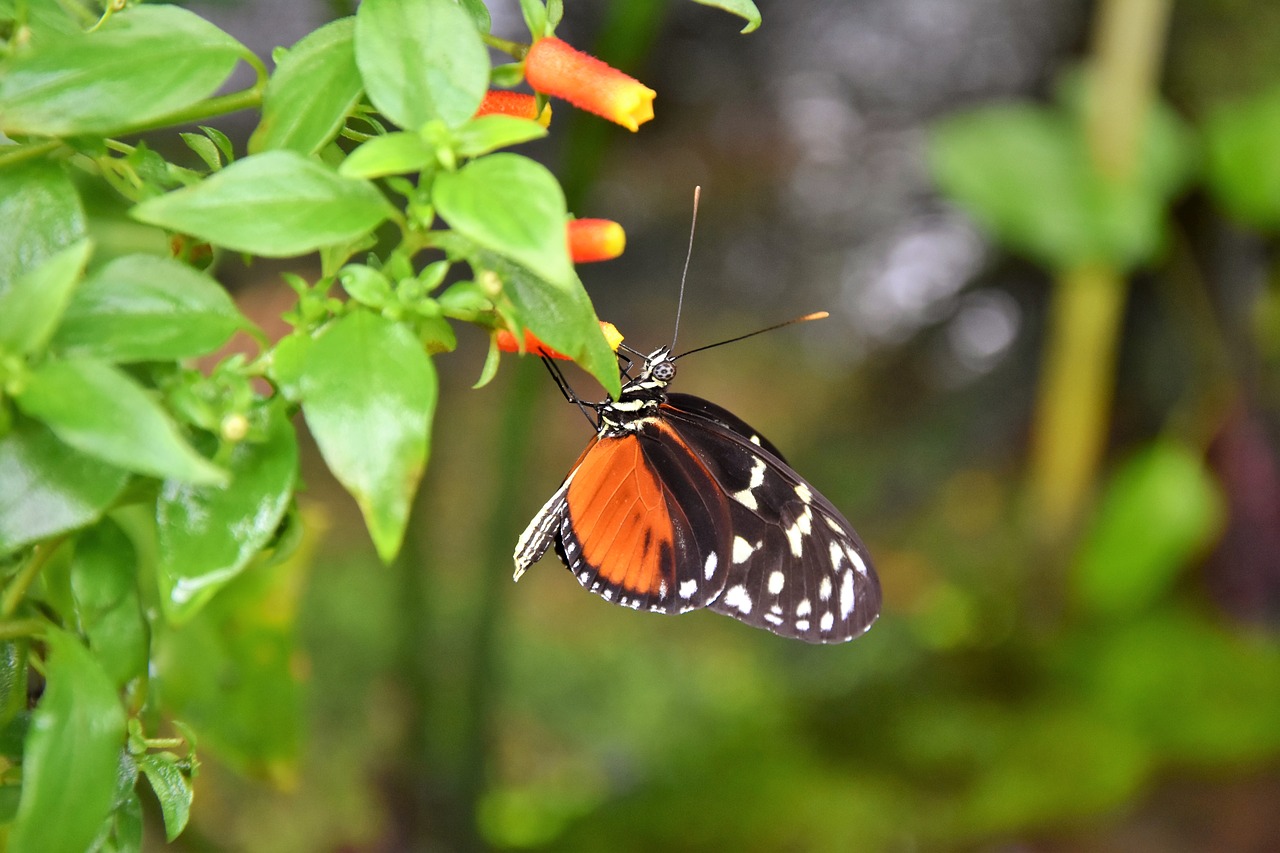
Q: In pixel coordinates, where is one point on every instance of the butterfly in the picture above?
(677, 504)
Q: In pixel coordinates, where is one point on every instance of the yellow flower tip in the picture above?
(544, 117)
(611, 335)
(554, 68)
(595, 240)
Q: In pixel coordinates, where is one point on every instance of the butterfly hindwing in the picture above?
(641, 525)
(796, 566)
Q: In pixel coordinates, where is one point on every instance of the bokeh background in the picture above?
(1079, 646)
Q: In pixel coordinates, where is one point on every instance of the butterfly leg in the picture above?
(568, 392)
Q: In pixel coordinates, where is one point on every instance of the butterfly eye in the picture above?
(664, 371)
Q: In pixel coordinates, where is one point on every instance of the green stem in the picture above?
(515, 49)
(17, 588)
(243, 100)
(17, 629)
(1074, 408)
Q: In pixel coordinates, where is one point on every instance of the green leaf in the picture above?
(48, 487)
(31, 309)
(392, 154)
(142, 64)
(479, 14)
(1159, 510)
(489, 133)
(204, 148)
(742, 8)
(421, 60)
(40, 214)
(563, 319)
(207, 534)
(1025, 173)
(277, 204)
(1243, 170)
(369, 393)
(100, 411)
(535, 17)
(72, 753)
(147, 308)
(104, 584)
(14, 659)
(313, 90)
(172, 787)
(512, 206)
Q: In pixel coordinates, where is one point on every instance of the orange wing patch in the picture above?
(619, 515)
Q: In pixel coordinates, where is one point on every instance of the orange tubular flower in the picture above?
(554, 68)
(595, 240)
(507, 342)
(518, 104)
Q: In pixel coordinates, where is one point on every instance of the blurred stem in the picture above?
(1074, 408)
(1075, 393)
(16, 591)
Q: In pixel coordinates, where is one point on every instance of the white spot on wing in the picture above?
(802, 624)
(804, 608)
(846, 594)
(738, 597)
(607, 595)
(833, 524)
(824, 589)
(776, 581)
(755, 439)
(746, 497)
(742, 549)
(795, 539)
(836, 555)
(688, 588)
(710, 568)
(856, 559)
(773, 618)
(803, 492)
(827, 621)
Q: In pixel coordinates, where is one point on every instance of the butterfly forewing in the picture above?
(796, 566)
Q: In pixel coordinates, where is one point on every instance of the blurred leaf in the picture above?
(312, 91)
(173, 790)
(369, 394)
(104, 583)
(512, 206)
(421, 60)
(277, 204)
(562, 319)
(49, 488)
(72, 753)
(390, 154)
(1026, 174)
(146, 308)
(489, 133)
(13, 679)
(142, 64)
(204, 149)
(1160, 509)
(1193, 691)
(31, 308)
(101, 411)
(207, 534)
(1244, 172)
(742, 8)
(40, 214)
(479, 13)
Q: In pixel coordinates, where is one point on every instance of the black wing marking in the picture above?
(796, 566)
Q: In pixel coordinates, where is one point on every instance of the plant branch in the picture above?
(15, 154)
(17, 588)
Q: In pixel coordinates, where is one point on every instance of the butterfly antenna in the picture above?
(697, 194)
(816, 315)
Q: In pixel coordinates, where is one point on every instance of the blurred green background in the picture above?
(1048, 398)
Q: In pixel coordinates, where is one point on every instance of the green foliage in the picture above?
(1243, 172)
(1026, 174)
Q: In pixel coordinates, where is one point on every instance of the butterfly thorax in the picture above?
(640, 398)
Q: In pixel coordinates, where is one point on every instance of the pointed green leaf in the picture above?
(277, 204)
(311, 93)
(513, 206)
(100, 411)
(142, 64)
(489, 133)
(72, 753)
(147, 308)
(48, 487)
(40, 214)
(392, 154)
(31, 309)
(369, 393)
(173, 790)
(104, 584)
(207, 534)
(742, 8)
(421, 60)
